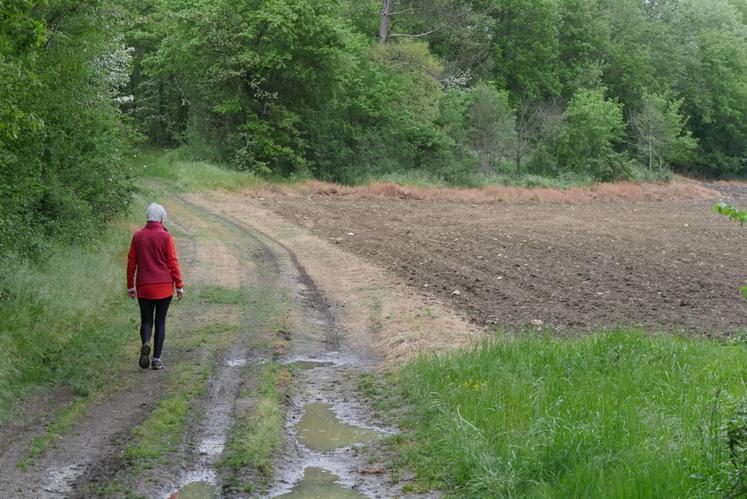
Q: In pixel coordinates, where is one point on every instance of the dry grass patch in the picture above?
(681, 189)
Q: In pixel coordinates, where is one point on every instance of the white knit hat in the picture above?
(155, 213)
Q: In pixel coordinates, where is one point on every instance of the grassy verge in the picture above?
(59, 313)
(612, 415)
(189, 175)
(257, 434)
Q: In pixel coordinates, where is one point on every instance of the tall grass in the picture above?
(612, 415)
(188, 174)
(63, 319)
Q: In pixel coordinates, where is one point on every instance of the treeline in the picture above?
(348, 90)
(63, 138)
(352, 89)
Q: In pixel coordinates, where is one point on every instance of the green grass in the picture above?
(57, 313)
(62, 423)
(616, 414)
(158, 436)
(220, 295)
(257, 434)
(191, 175)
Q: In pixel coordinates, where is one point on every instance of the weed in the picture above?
(63, 421)
(257, 434)
(615, 414)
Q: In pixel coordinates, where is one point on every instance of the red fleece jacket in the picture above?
(153, 255)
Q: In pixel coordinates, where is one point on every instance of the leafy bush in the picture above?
(63, 140)
(593, 126)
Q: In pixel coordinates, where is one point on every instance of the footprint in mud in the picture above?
(318, 483)
(320, 430)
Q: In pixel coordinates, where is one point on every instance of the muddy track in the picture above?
(330, 376)
(313, 294)
(327, 367)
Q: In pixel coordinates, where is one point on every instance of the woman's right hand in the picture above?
(132, 293)
(179, 293)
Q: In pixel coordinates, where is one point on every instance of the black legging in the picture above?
(161, 308)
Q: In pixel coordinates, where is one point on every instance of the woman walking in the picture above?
(153, 257)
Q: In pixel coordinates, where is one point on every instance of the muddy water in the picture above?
(320, 430)
(318, 483)
(198, 490)
(309, 364)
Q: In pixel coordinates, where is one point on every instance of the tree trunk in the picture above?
(517, 157)
(386, 10)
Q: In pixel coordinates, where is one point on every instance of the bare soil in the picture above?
(662, 265)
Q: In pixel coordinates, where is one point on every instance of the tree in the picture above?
(63, 139)
(661, 136)
(593, 126)
(491, 126)
(713, 85)
(526, 52)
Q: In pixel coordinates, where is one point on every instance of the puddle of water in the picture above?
(211, 446)
(320, 484)
(311, 364)
(236, 362)
(319, 429)
(197, 490)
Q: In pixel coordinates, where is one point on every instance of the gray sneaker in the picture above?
(144, 353)
(156, 364)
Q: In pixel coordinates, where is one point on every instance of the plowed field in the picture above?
(669, 265)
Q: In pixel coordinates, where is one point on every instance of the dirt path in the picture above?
(340, 317)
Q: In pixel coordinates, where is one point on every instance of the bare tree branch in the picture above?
(419, 35)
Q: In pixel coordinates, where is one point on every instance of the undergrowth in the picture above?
(60, 312)
(612, 415)
(186, 173)
(189, 175)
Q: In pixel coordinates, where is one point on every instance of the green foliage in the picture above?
(661, 138)
(733, 213)
(491, 126)
(714, 84)
(527, 46)
(610, 415)
(62, 137)
(593, 126)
